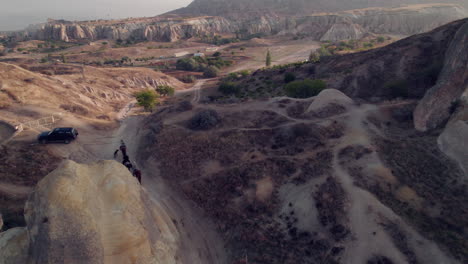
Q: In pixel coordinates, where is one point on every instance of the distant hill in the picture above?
(299, 7)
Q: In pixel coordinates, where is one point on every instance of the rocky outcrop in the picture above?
(324, 26)
(454, 142)
(157, 31)
(437, 105)
(94, 213)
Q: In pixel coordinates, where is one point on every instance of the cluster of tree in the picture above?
(237, 75)
(187, 78)
(119, 62)
(145, 59)
(149, 98)
(209, 66)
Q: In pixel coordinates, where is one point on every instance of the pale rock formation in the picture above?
(436, 106)
(329, 97)
(352, 24)
(14, 245)
(95, 213)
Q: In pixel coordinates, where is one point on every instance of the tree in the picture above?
(314, 57)
(64, 59)
(217, 54)
(304, 89)
(165, 90)
(147, 98)
(268, 59)
(187, 64)
(210, 72)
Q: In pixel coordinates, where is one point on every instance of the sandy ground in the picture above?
(281, 54)
(365, 210)
(199, 242)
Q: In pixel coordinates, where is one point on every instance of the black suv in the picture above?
(63, 134)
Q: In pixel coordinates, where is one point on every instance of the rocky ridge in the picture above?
(430, 66)
(321, 26)
(250, 7)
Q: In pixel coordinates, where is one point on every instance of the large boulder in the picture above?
(95, 213)
(437, 104)
(14, 245)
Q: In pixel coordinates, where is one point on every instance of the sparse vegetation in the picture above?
(210, 72)
(229, 88)
(289, 77)
(200, 64)
(304, 89)
(204, 120)
(165, 90)
(187, 78)
(314, 57)
(147, 99)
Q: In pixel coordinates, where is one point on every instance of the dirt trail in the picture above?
(199, 242)
(365, 210)
(14, 190)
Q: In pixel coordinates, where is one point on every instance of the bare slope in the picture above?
(314, 181)
(86, 91)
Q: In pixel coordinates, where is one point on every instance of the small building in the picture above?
(199, 55)
(181, 54)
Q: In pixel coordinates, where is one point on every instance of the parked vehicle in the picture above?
(62, 134)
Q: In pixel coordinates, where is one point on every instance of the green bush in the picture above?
(147, 98)
(289, 77)
(397, 88)
(380, 39)
(187, 65)
(244, 73)
(304, 89)
(210, 72)
(165, 90)
(229, 88)
(187, 78)
(323, 51)
(217, 54)
(368, 45)
(314, 57)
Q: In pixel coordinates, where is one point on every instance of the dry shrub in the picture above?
(204, 120)
(76, 109)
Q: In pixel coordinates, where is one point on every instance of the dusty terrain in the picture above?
(277, 180)
(336, 178)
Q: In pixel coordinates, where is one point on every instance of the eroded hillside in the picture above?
(353, 24)
(316, 180)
